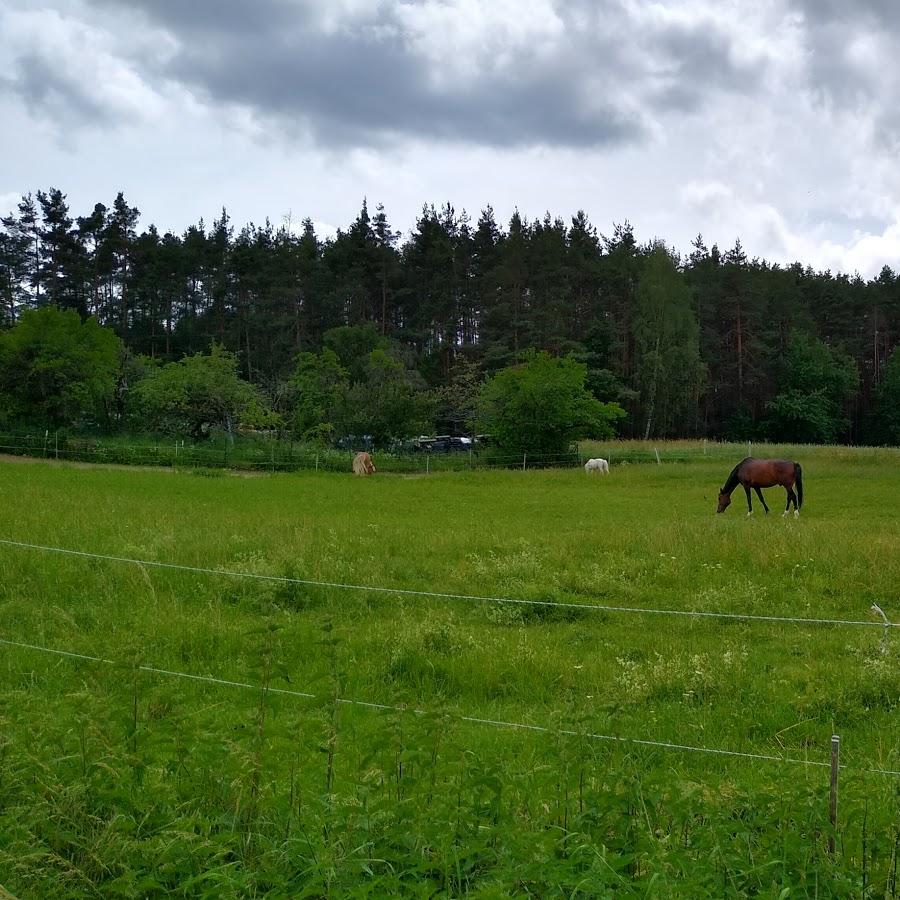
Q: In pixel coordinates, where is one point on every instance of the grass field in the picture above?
(118, 781)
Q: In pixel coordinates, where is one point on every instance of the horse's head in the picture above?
(724, 501)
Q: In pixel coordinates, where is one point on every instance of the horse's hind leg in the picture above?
(749, 503)
(762, 499)
(791, 497)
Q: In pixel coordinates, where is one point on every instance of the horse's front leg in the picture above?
(749, 502)
(762, 499)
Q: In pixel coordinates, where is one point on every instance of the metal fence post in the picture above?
(833, 797)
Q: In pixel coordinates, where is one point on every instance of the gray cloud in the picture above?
(852, 50)
(366, 79)
(45, 88)
(884, 11)
(237, 17)
(699, 64)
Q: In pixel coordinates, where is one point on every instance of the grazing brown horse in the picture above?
(763, 473)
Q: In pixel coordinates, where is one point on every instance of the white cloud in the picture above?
(8, 202)
(72, 68)
(463, 38)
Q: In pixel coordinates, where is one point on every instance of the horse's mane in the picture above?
(732, 481)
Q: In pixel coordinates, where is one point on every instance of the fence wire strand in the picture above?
(475, 720)
(443, 595)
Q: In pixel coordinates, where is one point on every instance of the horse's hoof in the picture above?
(796, 513)
(749, 514)
(784, 515)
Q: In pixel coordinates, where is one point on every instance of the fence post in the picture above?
(56, 444)
(833, 798)
(657, 456)
(317, 462)
(749, 448)
(524, 456)
(887, 627)
(427, 463)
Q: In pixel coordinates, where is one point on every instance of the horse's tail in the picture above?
(798, 475)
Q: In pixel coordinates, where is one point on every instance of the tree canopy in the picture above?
(542, 406)
(200, 392)
(688, 345)
(58, 370)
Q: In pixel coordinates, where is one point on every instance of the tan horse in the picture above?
(763, 473)
(363, 465)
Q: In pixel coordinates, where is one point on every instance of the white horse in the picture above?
(597, 465)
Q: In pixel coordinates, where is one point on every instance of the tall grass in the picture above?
(118, 781)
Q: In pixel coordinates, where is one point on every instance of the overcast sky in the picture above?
(775, 121)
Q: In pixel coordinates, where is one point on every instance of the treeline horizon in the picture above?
(711, 344)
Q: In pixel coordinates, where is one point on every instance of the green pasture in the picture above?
(119, 781)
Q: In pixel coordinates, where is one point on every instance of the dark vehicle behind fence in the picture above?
(443, 443)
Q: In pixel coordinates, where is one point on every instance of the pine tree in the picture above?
(118, 237)
(619, 267)
(486, 241)
(25, 232)
(63, 260)
(584, 267)
(550, 306)
(14, 262)
(387, 264)
(512, 272)
(91, 236)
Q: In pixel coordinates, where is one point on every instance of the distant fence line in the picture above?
(277, 456)
(284, 456)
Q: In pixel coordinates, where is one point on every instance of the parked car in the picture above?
(442, 443)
